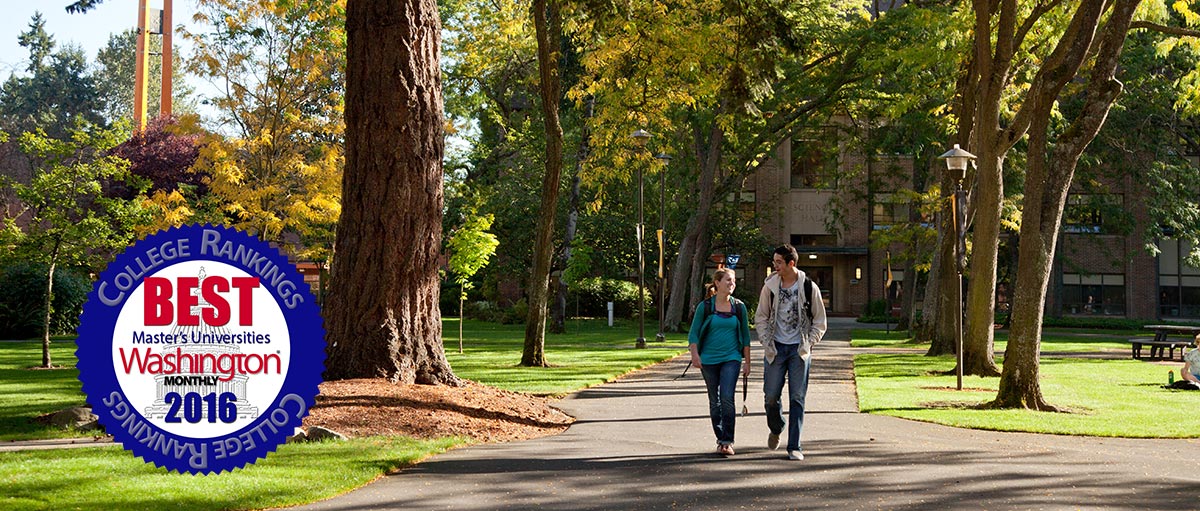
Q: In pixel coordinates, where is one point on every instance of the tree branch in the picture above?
(1179, 31)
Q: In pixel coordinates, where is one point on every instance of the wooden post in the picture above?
(139, 74)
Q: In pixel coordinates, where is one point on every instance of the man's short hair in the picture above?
(788, 253)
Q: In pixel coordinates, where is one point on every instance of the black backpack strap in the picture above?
(808, 298)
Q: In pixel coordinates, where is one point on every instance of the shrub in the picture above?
(594, 294)
(23, 298)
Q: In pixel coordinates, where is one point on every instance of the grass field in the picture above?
(1118, 397)
(589, 353)
(111, 478)
(1058, 340)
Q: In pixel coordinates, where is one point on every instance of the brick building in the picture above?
(1098, 271)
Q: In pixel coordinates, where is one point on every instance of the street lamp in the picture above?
(956, 164)
(640, 138)
(662, 230)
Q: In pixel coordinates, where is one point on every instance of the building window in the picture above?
(1178, 283)
(812, 240)
(1094, 294)
(745, 203)
(1088, 212)
(814, 159)
(888, 210)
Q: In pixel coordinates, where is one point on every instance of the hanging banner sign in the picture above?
(200, 349)
(731, 260)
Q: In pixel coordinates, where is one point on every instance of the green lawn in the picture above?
(111, 478)
(1057, 340)
(1121, 398)
(589, 353)
(27, 393)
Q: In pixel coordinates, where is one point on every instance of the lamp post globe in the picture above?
(956, 165)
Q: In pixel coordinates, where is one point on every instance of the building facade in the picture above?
(826, 201)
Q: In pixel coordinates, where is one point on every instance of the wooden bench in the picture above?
(1159, 347)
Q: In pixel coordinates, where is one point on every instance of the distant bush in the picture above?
(877, 311)
(23, 298)
(1099, 323)
(593, 295)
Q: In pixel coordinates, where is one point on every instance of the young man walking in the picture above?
(790, 319)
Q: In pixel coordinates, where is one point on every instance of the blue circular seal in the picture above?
(201, 349)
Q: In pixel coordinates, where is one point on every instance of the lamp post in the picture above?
(640, 138)
(956, 164)
(662, 250)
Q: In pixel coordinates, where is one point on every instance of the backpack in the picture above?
(710, 307)
(808, 294)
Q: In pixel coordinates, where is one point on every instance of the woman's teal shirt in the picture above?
(724, 338)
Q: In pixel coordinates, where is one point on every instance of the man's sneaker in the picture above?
(795, 455)
(773, 441)
(725, 449)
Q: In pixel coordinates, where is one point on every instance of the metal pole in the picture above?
(140, 67)
(641, 339)
(167, 62)
(662, 238)
(958, 306)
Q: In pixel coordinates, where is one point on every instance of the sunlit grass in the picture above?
(111, 478)
(589, 353)
(1119, 397)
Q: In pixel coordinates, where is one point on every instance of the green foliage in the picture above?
(1098, 323)
(70, 221)
(278, 174)
(54, 93)
(114, 78)
(877, 311)
(471, 246)
(593, 295)
(23, 296)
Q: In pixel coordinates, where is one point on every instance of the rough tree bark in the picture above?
(547, 23)
(558, 325)
(1051, 168)
(697, 228)
(382, 316)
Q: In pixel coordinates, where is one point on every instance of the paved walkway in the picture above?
(645, 442)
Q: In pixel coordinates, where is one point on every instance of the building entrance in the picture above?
(822, 276)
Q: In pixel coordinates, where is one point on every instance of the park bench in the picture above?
(1159, 348)
(1166, 339)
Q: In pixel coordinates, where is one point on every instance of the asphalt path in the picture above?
(645, 442)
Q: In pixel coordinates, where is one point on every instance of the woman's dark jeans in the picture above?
(721, 380)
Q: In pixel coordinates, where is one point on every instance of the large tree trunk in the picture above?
(382, 315)
(585, 140)
(548, 25)
(697, 229)
(1047, 185)
(939, 310)
(979, 337)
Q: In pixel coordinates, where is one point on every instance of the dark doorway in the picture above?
(822, 276)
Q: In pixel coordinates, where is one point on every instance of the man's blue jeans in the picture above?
(721, 380)
(787, 363)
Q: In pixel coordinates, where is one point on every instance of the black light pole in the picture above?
(956, 163)
(641, 137)
(662, 235)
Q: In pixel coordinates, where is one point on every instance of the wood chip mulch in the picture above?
(366, 407)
